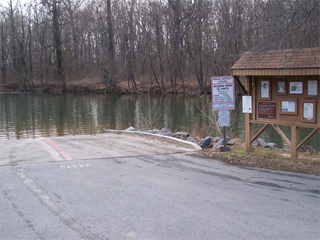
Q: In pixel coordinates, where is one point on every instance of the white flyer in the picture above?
(247, 104)
(308, 111)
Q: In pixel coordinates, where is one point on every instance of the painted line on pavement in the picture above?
(59, 149)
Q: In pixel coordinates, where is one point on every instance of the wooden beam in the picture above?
(248, 132)
(261, 130)
(281, 133)
(307, 138)
(294, 141)
(240, 85)
(248, 117)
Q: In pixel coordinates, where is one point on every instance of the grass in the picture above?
(308, 163)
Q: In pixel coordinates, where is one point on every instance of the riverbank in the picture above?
(30, 115)
(96, 86)
(265, 158)
(308, 163)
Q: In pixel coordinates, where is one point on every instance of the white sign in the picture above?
(247, 104)
(288, 106)
(308, 111)
(223, 93)
(312, 88)
(224, 118)
(264, 89)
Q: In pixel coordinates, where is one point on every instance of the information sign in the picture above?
(224, 118)
(267, 110)
(223, 93)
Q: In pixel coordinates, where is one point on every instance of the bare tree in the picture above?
(54, 8)
(3, 54)
(177, 12)
(71, 7)
(112, 80)
(168, 42)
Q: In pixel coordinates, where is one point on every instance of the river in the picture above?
(30, 115)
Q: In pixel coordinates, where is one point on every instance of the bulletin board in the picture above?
(287, 101)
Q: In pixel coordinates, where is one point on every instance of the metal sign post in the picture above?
(224, 121)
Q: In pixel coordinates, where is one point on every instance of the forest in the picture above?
(164, 46)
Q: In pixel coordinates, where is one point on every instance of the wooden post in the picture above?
(294, 141)
(248, 117)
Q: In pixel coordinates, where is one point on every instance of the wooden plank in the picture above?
(253, 94)
(315, 71)
(267, 72)
(258, 134)
(286, 122)
(294, 141)
(248, 117)
(281, 133)
(307, 138)
(243, 89)
(274, 72)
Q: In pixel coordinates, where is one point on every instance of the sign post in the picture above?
(224, 121)
(223, 100)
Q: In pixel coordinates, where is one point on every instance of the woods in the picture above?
(168, 45)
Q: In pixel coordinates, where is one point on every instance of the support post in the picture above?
(248, 117)
(294, 141)
(224, 139)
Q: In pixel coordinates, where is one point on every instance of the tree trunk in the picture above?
(111, 85)
(3, 58)
(159, 54)
(58, 44)
(177, 44)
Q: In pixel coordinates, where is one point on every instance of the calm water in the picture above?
(33, 115)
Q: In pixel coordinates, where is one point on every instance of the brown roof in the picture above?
(280, 59)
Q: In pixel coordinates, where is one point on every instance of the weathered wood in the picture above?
(261, 131)
(248, 117)
(307, 138)
(281, 133)
(276, 72)
(294, 141)
(289, 99)
(243, 89)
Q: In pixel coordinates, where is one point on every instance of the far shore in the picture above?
(99, 88)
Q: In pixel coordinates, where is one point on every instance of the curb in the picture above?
(157, 136)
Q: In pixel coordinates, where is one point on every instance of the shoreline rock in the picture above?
(216, 143)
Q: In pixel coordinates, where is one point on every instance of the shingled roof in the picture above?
(305, 61)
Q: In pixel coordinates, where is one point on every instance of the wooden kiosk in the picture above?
(285, 90)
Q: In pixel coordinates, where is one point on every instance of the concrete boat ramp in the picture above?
(85, 147)
(120, 186)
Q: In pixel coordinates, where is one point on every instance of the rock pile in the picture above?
(216, 143)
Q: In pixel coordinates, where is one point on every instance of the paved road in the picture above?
(118, 187)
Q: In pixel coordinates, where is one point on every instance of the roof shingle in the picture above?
(280, 59)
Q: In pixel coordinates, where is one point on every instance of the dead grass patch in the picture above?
(308, 163)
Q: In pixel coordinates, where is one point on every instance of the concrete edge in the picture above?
(157, 136)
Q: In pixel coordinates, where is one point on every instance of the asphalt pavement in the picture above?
(111, 186)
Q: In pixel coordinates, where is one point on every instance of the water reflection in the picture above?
(31, 115)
